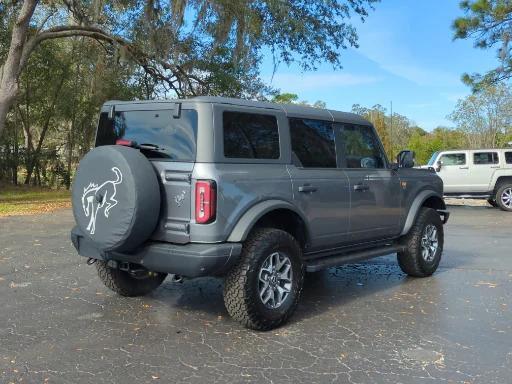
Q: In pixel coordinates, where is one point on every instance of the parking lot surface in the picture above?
(364, 323)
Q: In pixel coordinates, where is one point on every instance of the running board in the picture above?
(349, 258)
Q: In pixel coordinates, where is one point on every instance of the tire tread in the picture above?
(239, 301)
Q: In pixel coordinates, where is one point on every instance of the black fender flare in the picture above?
(245, 224)
(417, 204)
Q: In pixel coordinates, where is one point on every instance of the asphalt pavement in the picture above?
(363, 323)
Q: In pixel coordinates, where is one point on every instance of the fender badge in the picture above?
(403, 184)
(179, 198)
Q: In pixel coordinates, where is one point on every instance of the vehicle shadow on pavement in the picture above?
(348, 285)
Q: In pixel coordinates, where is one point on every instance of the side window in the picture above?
(485, 158)
(250, 136)
(312, 143)
(453, 159)
(508, 157)
(361, 147)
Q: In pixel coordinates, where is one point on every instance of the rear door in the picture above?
(455, 172)
(375, 209)
(484, 165)
(166, 134)
(320, 189)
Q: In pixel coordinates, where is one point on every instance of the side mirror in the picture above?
(438, 166)
(405, 159)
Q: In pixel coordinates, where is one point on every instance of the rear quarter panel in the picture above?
(239, 187)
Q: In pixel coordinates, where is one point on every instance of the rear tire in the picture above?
(253, 290)
(504, 197)
(125, 284)
(424, 245)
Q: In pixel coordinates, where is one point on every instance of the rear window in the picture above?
(162, 135)
(485, 158)
(250, 136)
(508, 157)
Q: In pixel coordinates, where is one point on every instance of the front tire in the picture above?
(492, 203)
(423, 245)
(504, 197)
(125, 284)
(262, 291)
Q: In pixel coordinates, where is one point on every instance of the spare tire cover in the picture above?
(116, 197)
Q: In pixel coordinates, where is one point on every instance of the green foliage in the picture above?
(401, 133)
(484, 117)
(424, 144)
(489, 24)
(151, 49)
(285, 98)
(292, 98)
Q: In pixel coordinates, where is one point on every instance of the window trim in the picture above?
(336, 157)
(480, 152)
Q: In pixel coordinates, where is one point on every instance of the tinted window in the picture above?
(250, 136)
(164, 136)
(508, 157)
(361, 147)
(485, 158)
(312, 143)
(453, 159)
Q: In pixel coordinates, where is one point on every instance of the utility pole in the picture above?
(391, 129)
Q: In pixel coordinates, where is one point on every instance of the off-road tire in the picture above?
(411, 260)
(125, 284)
(493, 203)
(499, 194)
(241, 296)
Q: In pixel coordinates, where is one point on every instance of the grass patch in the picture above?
(28, 200)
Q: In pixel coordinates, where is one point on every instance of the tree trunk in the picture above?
(10, 70)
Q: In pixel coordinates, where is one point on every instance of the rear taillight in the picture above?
(126, 143)
(206, 201)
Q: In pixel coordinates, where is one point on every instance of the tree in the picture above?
(489, 23)
(484, 117)
(424, 144)
(215, 49)
(292, 98)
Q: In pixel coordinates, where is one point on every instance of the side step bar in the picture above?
(349, 258)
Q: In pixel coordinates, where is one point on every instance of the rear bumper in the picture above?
(191, 260)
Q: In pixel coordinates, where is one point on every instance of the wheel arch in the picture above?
(427, 198)
(273, 213)
(500, 181)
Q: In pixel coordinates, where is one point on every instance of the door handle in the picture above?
(495, 166)
(307, 189)
(464, 167)
(361, 187)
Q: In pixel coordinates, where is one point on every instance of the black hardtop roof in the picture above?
(292, 110)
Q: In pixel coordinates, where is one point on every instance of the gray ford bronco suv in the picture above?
(258, 193)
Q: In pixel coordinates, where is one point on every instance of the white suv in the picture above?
(477, 174)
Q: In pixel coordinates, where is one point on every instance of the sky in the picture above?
(406, 56)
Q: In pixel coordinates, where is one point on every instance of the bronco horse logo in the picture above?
(96, 197)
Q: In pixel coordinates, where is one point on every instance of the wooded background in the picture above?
(61, 59)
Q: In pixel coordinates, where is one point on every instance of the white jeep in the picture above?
(476, 174)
